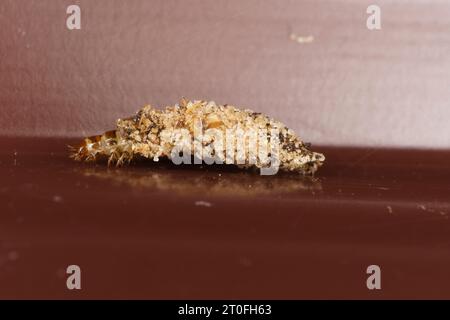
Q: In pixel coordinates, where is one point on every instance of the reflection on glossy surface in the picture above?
(210, 181)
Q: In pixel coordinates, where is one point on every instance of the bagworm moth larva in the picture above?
(227, 134)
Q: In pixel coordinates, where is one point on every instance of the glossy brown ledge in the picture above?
(148, 231)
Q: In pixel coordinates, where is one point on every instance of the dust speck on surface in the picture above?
(202, 203)
(13, 255)
(301, 39)
(57, 199)
(389, 208)
(422, 207)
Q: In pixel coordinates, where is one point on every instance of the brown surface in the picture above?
(136, 231)
(350, 86)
